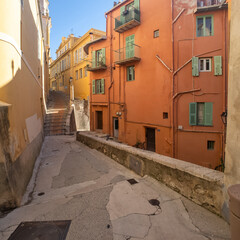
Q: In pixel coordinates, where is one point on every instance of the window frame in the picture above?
(205, 64)
(80, 73)
(98, 86)
(204, 25)
(76, 74)
(156, 31)
(128, 72)
(194, 114)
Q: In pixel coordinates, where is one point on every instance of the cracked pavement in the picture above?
(73, 182)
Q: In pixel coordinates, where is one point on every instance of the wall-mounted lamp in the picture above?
(224, 117)
(70, 79)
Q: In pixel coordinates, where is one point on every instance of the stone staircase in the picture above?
(58, 114)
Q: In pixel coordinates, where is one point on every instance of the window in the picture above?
(98, 86)
(205, 64)
(130, 73)
(210, 145)
(80, 73)
(85, 72)
(98, 58)
(130, 46)
(201, 114)
(65, 48)
(156, 33)
(22, 3)
(63, 80)
(80, 54)
(204, 26)
(76, 74)
(165, 115)
(130, 6)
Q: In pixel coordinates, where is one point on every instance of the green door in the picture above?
(130, 46)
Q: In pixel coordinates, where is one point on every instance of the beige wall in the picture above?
(232, 171)
(23, 76)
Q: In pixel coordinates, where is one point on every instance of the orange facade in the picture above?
(158, 80)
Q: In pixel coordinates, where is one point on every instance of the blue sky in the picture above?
(77, 17)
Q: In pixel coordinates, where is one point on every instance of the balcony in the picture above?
(96, 66)
(210, 5)
(127, 20)
(129, 54)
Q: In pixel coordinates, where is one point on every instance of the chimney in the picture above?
(63, 39)
(115, 3)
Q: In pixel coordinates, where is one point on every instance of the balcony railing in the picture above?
(127, 55)
(127, 20)
(96, 66)
(207, 5)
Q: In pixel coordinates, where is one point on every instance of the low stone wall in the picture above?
(199, 184)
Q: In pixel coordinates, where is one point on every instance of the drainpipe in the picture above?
(173, 89)
(111, 75)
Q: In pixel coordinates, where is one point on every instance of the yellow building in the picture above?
(80, 61)
(70, 65)
(23, 69)
(60, 69)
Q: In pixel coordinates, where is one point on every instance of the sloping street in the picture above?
(74, 182)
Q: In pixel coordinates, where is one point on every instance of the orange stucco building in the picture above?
(159, 78)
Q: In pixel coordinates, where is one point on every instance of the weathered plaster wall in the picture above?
(22, 61)
(199, 184)
(232, 171)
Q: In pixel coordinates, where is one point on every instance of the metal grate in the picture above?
(47, 230)
(132, 181)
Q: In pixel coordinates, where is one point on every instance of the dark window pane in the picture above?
(208, 30)
(200, 27)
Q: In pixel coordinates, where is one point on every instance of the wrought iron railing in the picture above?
(126, 17)
(126, 53)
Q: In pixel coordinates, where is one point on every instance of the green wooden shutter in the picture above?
(193, 114)
(104, 56)
(93, 59)
(93, 86)
(208, 113)
(195, 67)
(130, 47)
(137, 4)
(122, 17)
(102, 85)
(217, 65)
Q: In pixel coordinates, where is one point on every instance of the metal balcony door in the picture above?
(130, 46)
(150, 139)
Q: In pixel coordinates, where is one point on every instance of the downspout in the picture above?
(111, 74)
(225, 88)
(173, 89)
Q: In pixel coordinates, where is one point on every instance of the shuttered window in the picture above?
(201, 114)
(130, 46)
(99, 58)
(98, 86)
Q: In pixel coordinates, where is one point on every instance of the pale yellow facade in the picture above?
(70, 67)
(23, 68)
(60, 69)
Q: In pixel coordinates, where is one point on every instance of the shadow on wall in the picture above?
(19, 147)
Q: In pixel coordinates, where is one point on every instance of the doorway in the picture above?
(150, 139)
(115, 127)
(99, 120)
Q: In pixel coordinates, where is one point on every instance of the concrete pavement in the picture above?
(74, 182)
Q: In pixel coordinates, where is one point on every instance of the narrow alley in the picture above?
(74, 182)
